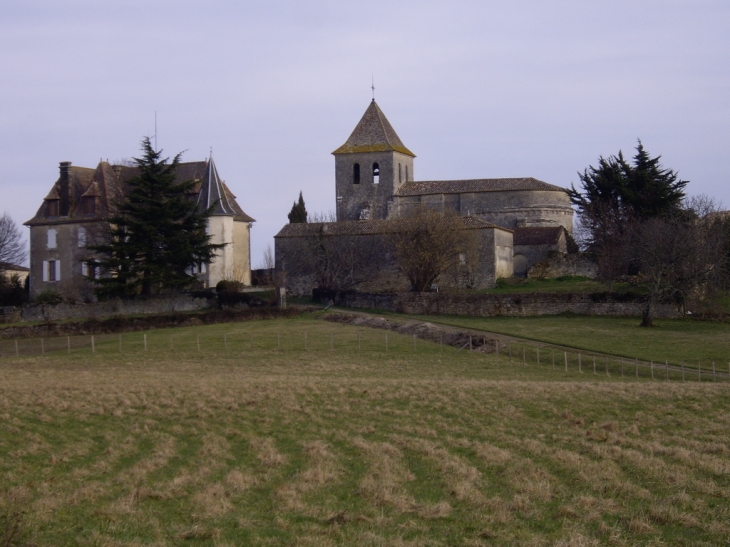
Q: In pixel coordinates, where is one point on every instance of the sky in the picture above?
(475, 88)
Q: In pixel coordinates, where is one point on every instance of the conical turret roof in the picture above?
(373, 134)
(212, 192)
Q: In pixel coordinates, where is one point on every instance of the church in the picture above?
(76, 209)
(375, 183)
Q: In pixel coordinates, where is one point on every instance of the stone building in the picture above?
(74, 214)
(351, 253)
(375, 186)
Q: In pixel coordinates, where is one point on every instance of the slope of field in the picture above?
(675, 340)
(254, 440)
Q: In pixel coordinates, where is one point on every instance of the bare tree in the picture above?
(678, 258)
(12, 247)
(430, 244)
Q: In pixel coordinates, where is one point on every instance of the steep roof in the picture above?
(373, 133)
(369, 227)
(107, 183)
(537, 236)
(416, 188)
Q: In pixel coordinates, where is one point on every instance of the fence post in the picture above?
(470, 347)
(496, 349)
(566, 360)
(145, 341)
(43, 349)
(414, 343)
(93, 349)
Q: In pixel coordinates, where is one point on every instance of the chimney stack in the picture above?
(64, 191)
(117, 171)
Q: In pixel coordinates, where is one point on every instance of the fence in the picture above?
(520, 354)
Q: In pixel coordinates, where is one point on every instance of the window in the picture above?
(407, 179)
(51, 270)
(400, 173)
(52, 208)
(89, 205)
(356, 173)
(376, 173)
(88, 271)
(82, 237)
(51, 239)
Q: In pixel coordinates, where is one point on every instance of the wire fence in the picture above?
(373, 341)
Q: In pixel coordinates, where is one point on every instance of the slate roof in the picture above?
(373, 133)
(369, 227)
(537, 236)
(417, 188)
(213, 192)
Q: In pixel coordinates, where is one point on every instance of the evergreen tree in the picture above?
(155, 235)
(298, 211)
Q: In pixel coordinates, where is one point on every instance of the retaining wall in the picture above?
(489, 305)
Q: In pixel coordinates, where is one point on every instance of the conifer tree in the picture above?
(155, 235)
(298, 211)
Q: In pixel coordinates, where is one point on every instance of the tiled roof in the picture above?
(537, 236)
(104, 184)
(373, 134)
(369, 227)
(7, 266)
(416, 188)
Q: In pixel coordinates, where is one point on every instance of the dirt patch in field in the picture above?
(426, 331)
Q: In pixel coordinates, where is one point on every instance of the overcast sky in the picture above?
(476, 89)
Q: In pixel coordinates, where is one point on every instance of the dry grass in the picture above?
(323, 448)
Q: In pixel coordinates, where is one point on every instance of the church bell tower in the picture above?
(370, 167)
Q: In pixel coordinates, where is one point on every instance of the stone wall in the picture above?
(559, 265)
(60, 312)
(490, 305)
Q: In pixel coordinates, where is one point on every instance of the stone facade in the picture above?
(364, 250)
(491, 305)
(73, 215)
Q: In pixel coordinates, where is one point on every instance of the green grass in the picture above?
(255, 440)
(565, 284)
(675, 340)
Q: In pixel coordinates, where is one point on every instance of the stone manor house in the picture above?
(375, 185)
(74, 213)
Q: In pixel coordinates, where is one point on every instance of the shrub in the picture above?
(49, 296)
(229, 286)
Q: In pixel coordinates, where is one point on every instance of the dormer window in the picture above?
(88, 205)
(51, 208)
(356, 173)
(376, 173)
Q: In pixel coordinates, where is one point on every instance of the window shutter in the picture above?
(45, 270)
(58, 270)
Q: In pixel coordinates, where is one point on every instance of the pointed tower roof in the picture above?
(212, 192)
(373, 134)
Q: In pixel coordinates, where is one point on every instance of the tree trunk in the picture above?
(647, 316)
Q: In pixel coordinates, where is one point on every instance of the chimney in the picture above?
(64, 193)
(117, 171)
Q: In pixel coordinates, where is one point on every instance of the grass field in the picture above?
(255, 440)
(675, 340)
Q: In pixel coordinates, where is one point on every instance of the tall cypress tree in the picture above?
(155, 236)
(298, 211)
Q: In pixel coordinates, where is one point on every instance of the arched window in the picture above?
(356, 173)
(376, 173)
